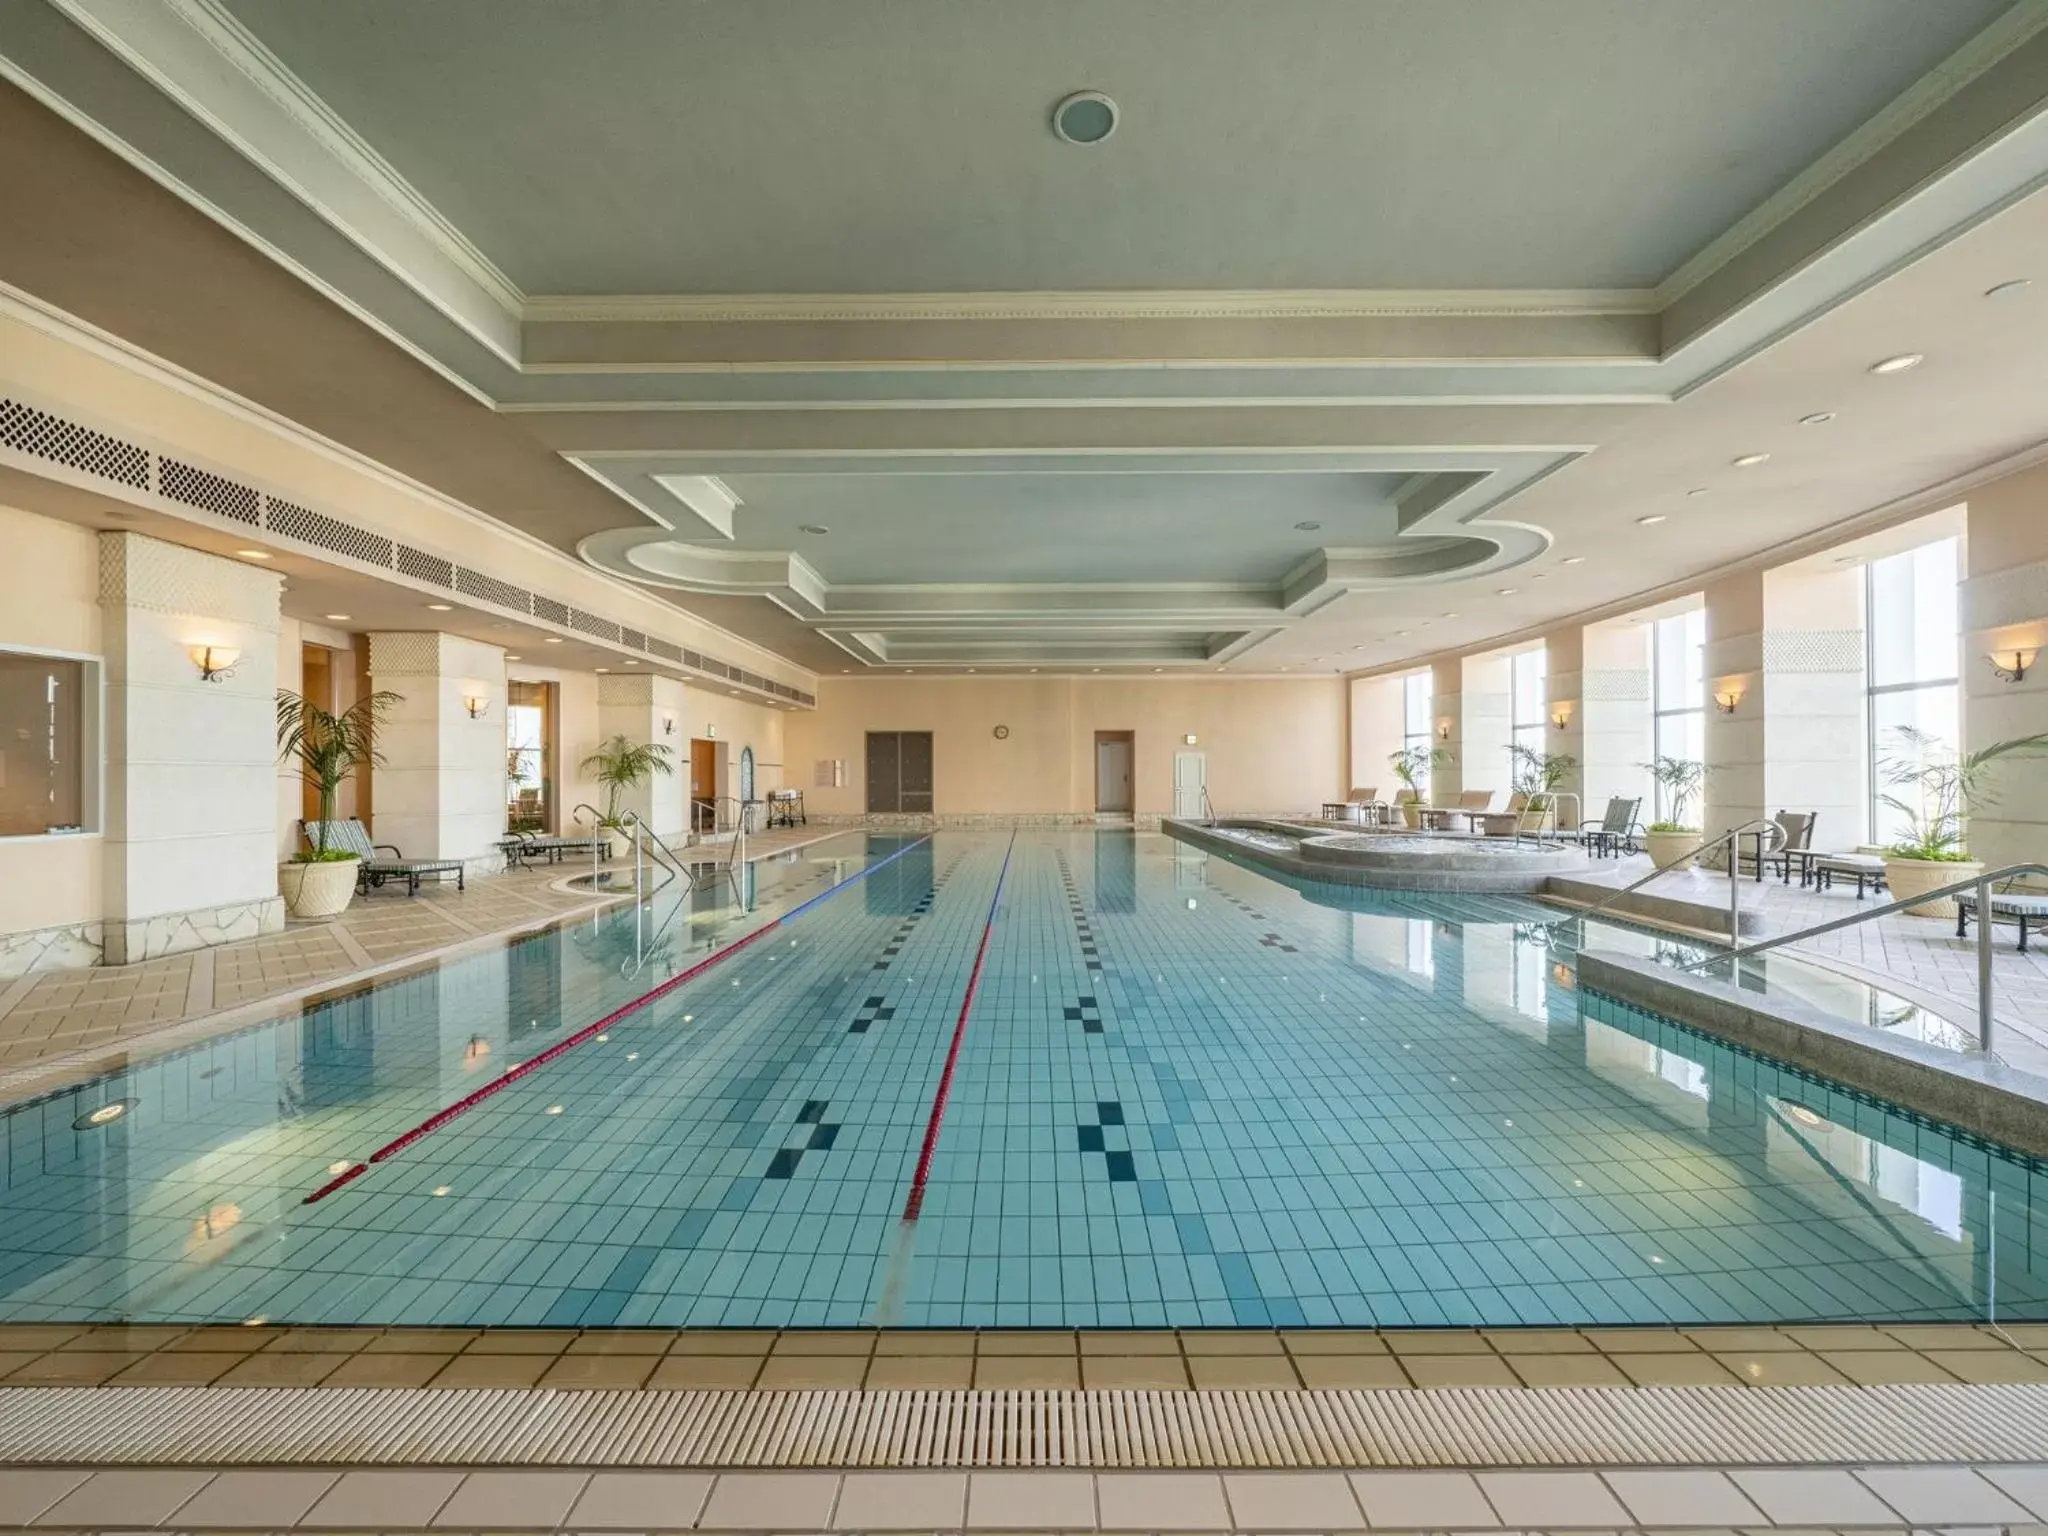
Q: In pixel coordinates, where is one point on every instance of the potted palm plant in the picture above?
(620, 764)
(1939, 790)
(321, 881)
(1413, 766)
(1673, 840)
(1536, 777)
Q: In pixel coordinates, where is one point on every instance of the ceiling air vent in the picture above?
(591, 624)
(201, 488)
(492, 590)
(547, 608)
(323, 532)
(421, 566)
(665, 648)
(41, 435)
(632, 639)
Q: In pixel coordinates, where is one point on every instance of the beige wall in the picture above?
(1564, 661)
(1376, 732)
(49, 600)
(1270, 745)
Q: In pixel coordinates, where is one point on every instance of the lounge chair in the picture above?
(1366, 805)
(2023, 907)
(1616, 831)
(352, 836)
(1798, 829)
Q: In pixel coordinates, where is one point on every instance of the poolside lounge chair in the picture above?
(1798, 829)
(2023, 907)
(1615, 831)
(352, 836)
(1365, 804)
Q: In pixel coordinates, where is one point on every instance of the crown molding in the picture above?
(1912, 106)
(1151, 304)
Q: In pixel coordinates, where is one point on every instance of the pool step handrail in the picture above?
(597, 838)
(1981, 884)
(1759, 824)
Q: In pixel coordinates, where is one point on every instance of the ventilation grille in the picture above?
(421, 566)
(209, 492)
(41, 435)
(317, 528)
(492, 590)
(591, 624)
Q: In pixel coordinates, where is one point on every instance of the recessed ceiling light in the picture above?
(253, 554)
(551, 640)
(336, 618)
(1898, 364)
(1816, 418)
(604, 669)
(1505, 591)
(440, 607)
(631, 662)
(1159, 669)
(1084, 118)
(1034, 669)
(1573, 560)
(1095, 669)
(1699, 490)
(1308, 527)
(1749, 460)
(2008, 288)
(1650, 521)
(812, 528)
(1399, 633)
(970, 670)
(510, 657)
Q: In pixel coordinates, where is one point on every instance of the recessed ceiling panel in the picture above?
(808, 146)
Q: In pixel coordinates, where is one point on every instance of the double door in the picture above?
(899, 771)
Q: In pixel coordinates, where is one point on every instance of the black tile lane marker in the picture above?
(914, 1201)
(460, 1106)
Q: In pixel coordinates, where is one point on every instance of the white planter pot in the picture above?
(1909, 877)
(1668, 850)
(318, 890)
(1411, 816)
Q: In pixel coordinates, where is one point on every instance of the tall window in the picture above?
(1417, 730)
(1910, 628)
(1527, 717)
(1678, 692)
(48, 710)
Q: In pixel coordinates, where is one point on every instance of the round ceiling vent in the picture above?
(1086, 117)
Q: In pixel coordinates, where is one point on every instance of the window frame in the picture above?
(92, 789)
(1427, 738)
(1873, 691)
(1659, 713)
(1517, 726)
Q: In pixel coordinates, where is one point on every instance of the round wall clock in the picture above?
(1002, 733)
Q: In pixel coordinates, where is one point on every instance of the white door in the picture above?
(1190, 779)
(1113, 776)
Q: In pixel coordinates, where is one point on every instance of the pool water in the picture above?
(1187, 1094)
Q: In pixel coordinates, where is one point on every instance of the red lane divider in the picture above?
(914, 1202)
(464, 1105)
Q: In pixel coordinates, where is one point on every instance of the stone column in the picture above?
(1486, 725)
(190, 852)
(1614, 715)
(1564, 660)
(1736, 791)
(1813, 703)
(649, 709)
(2004, 608)
(1446, 716)
(440, 791)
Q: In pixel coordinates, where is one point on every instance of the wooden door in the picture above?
(703, 784)
(316, 687)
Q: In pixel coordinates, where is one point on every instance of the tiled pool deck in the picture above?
(1044, 1359)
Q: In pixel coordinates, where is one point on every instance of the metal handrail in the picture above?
(1208, 805)
(1980, 884)
(1760, 824)
(597, 828)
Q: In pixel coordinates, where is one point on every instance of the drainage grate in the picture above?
(1453, 1427)
(41, 435)
(324, 532)
(202, 488)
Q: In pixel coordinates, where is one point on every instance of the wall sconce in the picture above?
(668, 725)
(476, 704)
(1561, 717)
(1443, 730)
(1188, 740)
(2022, 658)
(214, 661)
(1726, 699)
(711, 730)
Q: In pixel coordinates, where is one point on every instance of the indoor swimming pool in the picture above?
(1186, 1094)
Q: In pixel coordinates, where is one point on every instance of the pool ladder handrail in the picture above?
(1980, 884)
(1759, 824)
